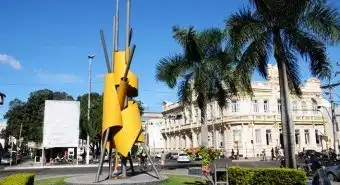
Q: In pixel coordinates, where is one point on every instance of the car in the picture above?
(333, 172)
(6, 159)
(174, 155)
(157, 155)
(183, 158)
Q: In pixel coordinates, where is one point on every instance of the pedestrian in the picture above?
(272, 152)
(264, 155)
(232, 153)
(163, 156)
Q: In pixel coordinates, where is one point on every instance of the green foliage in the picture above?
(179, 180)
(19, 179)
(289, 29)
(30, 114)
(93, 128)
(240, 176)
(266, 176)
(203, 58)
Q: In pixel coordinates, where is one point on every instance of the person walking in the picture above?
(264, 155)
(163, 156)
(272, 152)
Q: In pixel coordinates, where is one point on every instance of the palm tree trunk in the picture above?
(286, 116)
(204, 126)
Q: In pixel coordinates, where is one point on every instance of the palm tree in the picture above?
(198, 70)
(288, 28)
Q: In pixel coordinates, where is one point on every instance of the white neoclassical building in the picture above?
(152, 125)
(250, 124)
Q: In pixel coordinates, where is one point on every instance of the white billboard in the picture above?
(61, 124)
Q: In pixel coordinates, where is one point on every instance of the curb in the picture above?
(55, 167)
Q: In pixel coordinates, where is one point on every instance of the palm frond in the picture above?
(179, 35)
(311, 49)
(169, 69)
(211, 40)
(293, 75)
(185, 90)
(256, 56)
(323, 20)
(242, 27)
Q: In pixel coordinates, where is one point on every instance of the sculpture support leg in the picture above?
(102, 155)
(149, 157)
(123, 166)
(110, 160)
(131, 163)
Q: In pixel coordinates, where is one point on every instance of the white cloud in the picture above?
(48, 77)
(6, 59)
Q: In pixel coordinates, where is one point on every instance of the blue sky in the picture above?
(44, 44)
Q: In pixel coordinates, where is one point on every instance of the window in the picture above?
(265, 106)
(212, 111)
(307, 141)
(234, 106)
(304, 107)
(255, 106)
(258, 135)
(190, 114)
(317, 137)
(297, 136)
(294, 106)
(315, 108)
(237, 135)
(279, 106)
(268, 136)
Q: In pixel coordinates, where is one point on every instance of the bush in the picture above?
(19, 179)
(240, 176)
(266, 176)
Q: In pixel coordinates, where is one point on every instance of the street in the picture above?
(169, 165)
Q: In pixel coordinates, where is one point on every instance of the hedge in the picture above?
(266, 176)
(19, 179)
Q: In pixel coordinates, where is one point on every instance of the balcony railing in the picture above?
(258, 118)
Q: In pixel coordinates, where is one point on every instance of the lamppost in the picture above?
(251, 125)
(90, 58)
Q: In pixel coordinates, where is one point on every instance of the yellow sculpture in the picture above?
(124, 122)
(122, 125)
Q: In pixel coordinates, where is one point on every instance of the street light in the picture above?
(90, 58)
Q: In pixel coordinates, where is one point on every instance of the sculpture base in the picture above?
(142, 179)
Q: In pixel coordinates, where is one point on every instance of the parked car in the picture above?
(157, 155)
(6, 159)
(183, 158)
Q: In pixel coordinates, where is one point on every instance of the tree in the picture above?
(30, 114)
(288, 28)
(94, 127)
(204, 70)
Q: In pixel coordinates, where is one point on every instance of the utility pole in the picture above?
(90, 58)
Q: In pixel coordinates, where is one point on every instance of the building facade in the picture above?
(152, 125)
(249, 125)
